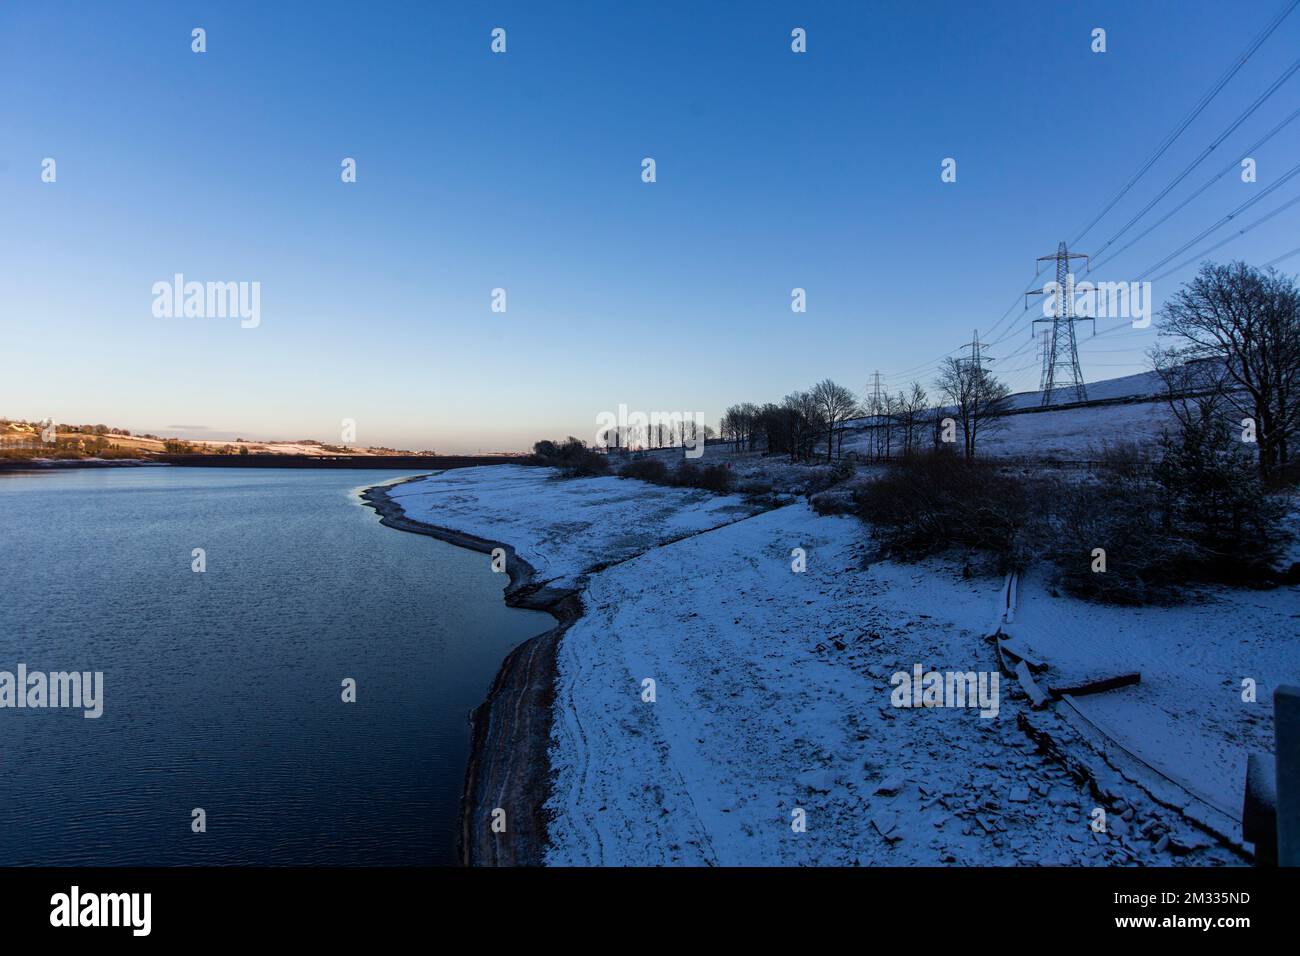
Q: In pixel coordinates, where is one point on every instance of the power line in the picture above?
(1208, 183)
(917, 369)
(1021, 350)
(1223, 242)
(1206, 152)
(1285, 255)
(1205, 100)
(1125, 328)
(994, 339)
(900, 377)
(1222, 222)
(1019, 301)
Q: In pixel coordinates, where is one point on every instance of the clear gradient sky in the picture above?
(523, 171)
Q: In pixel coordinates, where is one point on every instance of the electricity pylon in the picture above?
(1044, 352)
(876, 408)
(1063, 349)
(976, 359)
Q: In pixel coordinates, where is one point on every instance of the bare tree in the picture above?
(804, 423)
(1248, 320)
(1195, 391)
(769, 426)
(889, 408)
(912, 408)
(976, 395)
(730, 429)
(752, 418)
(741, 426)
(835, 405)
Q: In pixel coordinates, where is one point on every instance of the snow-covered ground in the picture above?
(563, 527)
(1070, 434)
(772, 688)
(773, 695)
(1076, 433)
(1187, 716)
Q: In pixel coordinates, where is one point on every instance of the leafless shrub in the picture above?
(572, 457)
(929, 502)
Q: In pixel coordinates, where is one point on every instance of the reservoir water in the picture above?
(223, 689)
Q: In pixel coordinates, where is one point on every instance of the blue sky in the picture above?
(522, 171)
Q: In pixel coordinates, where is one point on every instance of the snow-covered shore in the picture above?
(772, 690)
(563, 528)
(773, 695)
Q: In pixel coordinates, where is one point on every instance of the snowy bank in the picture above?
(770, 732)
(563, 527)
(773, 695)
(1187, 718)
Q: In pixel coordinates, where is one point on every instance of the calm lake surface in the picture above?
(222, 690)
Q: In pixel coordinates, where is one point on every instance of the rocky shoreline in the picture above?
(508, 767)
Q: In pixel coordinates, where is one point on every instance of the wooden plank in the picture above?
(1094, 684)
(1013, 647)
(1036, 695)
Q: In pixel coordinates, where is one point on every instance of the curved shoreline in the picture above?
(510, 731)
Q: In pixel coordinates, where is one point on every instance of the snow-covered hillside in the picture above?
(1135, 412)
(1070, 434)
(1075, 434)
(1141, 385)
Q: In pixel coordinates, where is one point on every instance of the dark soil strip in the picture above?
(508, 766)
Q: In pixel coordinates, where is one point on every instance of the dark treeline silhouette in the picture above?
(813, 424)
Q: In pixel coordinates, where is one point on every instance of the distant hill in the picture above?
(22, 439)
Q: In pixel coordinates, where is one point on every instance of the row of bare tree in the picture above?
(806, 423)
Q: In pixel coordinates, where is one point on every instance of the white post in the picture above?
(1286, 729)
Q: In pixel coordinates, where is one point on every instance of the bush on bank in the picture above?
(687, 474)
(1136, 530)
(930, 502)
(571, 456)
